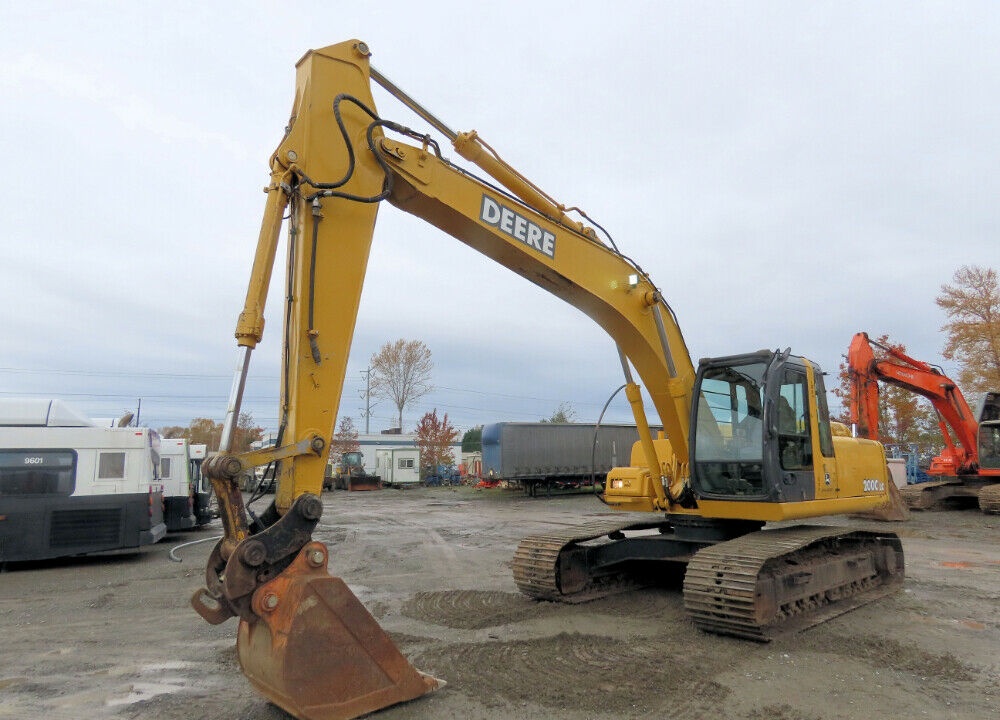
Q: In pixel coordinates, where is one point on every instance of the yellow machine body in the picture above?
(305, 641)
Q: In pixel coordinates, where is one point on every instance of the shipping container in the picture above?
(552, 456)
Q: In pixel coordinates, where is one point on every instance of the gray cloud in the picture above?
(788, 173)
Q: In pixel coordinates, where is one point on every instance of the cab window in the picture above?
(794, 438)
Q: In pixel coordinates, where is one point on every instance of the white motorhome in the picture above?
(185, 492)
(68, 487)
(203, 511)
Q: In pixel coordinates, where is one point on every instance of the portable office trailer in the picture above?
(70, 488)
(553, 455)
(398, 466)
(183, 487)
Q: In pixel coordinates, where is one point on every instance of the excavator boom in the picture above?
(896, 368)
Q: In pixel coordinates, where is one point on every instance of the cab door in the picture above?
(790, 434)
(827, 480)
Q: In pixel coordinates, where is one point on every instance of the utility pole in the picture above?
(368, 398)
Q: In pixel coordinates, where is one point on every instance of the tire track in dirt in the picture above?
(474, 609)
(889, 653)
(644, 603)
(592, 673)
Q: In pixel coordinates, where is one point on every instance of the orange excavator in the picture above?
(969, 464)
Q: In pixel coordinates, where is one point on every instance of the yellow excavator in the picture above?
(746, 439)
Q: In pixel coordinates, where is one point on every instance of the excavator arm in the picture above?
(336, 163)
(331, 171)
(898, 369)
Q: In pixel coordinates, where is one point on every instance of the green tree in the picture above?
(401, 372)
(434, 438)
(472, 440)
(972, 305)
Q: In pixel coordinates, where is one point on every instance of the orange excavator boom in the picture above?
(958, 424)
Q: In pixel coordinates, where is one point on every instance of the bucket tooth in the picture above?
(317, 653)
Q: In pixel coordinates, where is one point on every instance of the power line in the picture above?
(252, 379)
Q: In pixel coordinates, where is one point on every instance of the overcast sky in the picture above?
(788, 173)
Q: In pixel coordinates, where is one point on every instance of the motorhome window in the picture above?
(164, 467)
(37, 472)
(111, 466)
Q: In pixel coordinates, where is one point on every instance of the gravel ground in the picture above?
(114, 637)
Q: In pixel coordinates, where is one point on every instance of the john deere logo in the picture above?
(517, 226)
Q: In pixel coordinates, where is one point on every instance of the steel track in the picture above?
(769, 583)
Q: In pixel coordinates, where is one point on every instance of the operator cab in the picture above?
(753, 427)
(988, 416)
(353, 460)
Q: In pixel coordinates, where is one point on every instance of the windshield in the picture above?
(729, 445)
(989, 446)
(729, 415)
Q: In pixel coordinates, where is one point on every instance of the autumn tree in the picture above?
(173, 431)
(973, 308)
(345, 440)
(247, 432)
(401, 372)
(562, 414)
(905, 418)
(434, 439)
(205, 431)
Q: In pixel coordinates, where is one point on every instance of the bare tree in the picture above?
(562, 414)
(401, 372)
(973, 327)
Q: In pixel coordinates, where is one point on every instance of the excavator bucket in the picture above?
(894, 510)
(317, 652)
